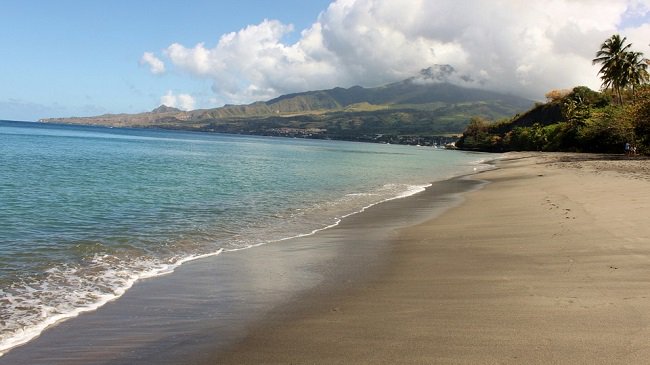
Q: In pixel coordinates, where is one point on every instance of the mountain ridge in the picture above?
(165, 109)
(429, 101)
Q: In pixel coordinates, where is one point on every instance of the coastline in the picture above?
(546, 264)
(190, 219)
(211, 303)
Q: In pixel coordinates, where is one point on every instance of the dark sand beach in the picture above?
(547, 263)
(207, 306)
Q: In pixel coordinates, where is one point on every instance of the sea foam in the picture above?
(115, 277)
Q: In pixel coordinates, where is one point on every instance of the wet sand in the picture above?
(207, 306)
(549, 263)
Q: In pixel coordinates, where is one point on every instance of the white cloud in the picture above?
(519, 47)
(186, 102)
(156, 66)
(181, 101)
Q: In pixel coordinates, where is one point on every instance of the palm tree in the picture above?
(612, 57)
(636, 70)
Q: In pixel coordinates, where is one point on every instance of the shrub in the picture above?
(640, 118)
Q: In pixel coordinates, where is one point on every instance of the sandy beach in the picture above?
(549, 264)
(543, 260)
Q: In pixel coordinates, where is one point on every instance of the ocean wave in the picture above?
(68, 291)
(29, 305)
(32, 305)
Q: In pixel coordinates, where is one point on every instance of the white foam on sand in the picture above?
(123, 279)
(52, 315)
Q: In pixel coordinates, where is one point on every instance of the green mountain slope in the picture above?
(413, 106)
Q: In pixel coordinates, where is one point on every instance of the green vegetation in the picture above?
(579, 120)
(409, 108)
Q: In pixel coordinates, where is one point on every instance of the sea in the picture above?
(86, 212)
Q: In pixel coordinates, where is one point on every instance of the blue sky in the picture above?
(73, 57)
(81, 58)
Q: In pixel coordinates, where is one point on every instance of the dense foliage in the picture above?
(580, 120)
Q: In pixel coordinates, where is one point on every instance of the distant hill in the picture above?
(166, 109)
(423, 105)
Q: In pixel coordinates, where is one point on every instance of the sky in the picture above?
(82, 58)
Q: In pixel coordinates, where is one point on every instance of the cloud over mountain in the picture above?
(526, 48)
(181, 101)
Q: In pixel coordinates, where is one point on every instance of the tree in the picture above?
(640, 118)
(476, 133)
(612, 56)
(636, 71)
(621, 68)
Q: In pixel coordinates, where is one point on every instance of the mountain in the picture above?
(424, 105)
(165, 109)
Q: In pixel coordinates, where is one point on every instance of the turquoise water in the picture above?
(86, 211)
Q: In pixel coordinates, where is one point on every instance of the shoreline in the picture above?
(221, 291)
(118, 287)
(548, 263)
(545, 263)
